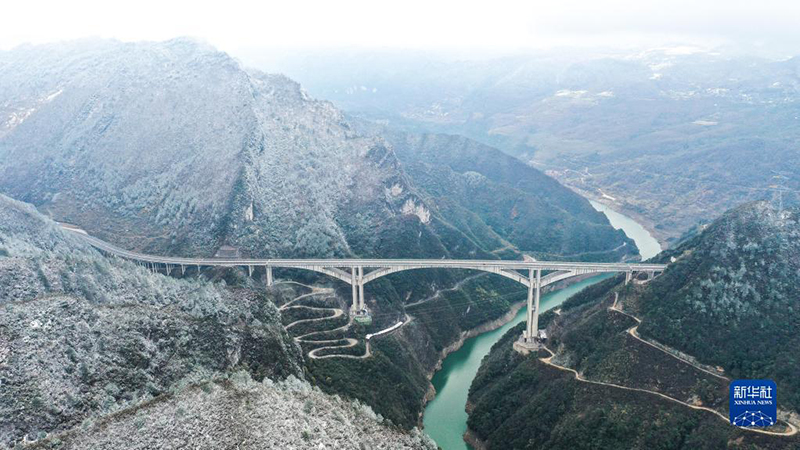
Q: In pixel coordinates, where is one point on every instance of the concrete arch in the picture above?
(512, 274)
(553, 277)
(339, 274)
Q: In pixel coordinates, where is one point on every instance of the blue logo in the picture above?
(753, 403)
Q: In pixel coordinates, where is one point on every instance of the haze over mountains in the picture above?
(672, 135)
(176, 148)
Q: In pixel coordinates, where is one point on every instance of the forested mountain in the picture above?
(732, 297)
(96, 350)
(672, 135)
(473, 184)
(725, 308)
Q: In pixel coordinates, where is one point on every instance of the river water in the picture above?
(445, 419)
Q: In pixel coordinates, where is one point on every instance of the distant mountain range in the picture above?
(673, 136)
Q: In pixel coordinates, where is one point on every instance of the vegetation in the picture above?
(82, 336)
(675, 138)
(730, 298)
(497, 200)
(735, 278)
(391, 381)
(234, 411)
(520, 403)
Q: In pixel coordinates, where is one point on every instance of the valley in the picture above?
(544, 249)
(668, 135)
(262, 170)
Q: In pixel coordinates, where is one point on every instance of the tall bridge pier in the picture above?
(531, 333)
(357, 282)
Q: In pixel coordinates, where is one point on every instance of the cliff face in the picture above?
(174, 147)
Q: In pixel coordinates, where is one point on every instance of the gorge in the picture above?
(445, 418)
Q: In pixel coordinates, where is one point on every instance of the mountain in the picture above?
(673, 136)
(83, 336)
(96, 350)
(725, 308)
(495, 196)
(731, 297)
(175, 148)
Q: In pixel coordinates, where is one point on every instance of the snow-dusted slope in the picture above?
(175, 141)
(82, 336)
(175, 147)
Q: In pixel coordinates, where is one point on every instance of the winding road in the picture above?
(632, 331)
(339, 343)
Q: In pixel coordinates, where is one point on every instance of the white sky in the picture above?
(233, 25)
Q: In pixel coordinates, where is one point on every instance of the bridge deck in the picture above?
(372, 263)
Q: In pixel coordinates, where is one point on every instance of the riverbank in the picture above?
(663, 237)
(445, 415)
(492, 325)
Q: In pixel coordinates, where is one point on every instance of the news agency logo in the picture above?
(753, 403)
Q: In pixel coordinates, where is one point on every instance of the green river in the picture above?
(445, 418)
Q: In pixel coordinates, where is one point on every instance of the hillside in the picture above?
(174, 147)
(236, 412)
(82, 335)
(96, 350)
(520, 402)
(678, 335)
(731, 297)
(480, 189)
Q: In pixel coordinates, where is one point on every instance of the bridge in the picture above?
(352, 271)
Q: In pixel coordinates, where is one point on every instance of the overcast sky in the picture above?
(233, 25)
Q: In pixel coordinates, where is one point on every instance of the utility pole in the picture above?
(777, 190)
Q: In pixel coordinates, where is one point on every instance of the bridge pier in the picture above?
(269, 275)
(530, 337)
(628, 277)
(354, 285)
(361, 306)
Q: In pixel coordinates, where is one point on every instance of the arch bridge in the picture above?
(358, 272)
